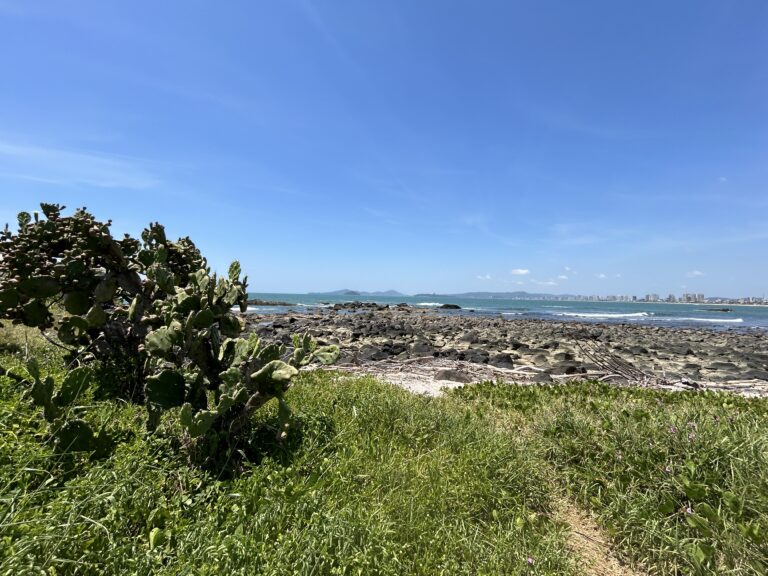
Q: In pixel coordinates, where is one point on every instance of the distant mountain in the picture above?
(348, 292)
(519, 295)
(342, 292)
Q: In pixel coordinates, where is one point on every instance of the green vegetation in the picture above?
(679, 480)
(371, 480)
(123, 364)
(144, 321)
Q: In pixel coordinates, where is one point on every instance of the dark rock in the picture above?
(563, 356)
(453, 376)
(755, 375)
(420, 348)
(476, 355)
(501, 360)
(450, 307)
(470, 337)
(257, 302)
(636, 350)
(567, 367)
(368, 353)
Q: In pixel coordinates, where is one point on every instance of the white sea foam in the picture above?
(712, 320)
(603, 314)
(429, 304)
(555, 306)
(512, 313)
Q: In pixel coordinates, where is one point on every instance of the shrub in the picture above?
(143, 320)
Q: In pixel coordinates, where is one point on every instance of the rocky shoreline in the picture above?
(462, 348)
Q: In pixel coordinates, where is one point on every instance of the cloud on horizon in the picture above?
(695, 274)
(519, 271)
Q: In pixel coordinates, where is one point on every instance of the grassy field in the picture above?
(374, 480)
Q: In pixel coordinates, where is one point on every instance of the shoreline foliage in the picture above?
(141, 320)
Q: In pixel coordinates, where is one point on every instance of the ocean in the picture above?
(656, 314)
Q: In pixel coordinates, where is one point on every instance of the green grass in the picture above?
(679, 480)
(374, 480)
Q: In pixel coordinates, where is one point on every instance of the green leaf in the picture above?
(708, 512)
(700, 523)
(164, 278)
(700, 553)
(230, 326)
(160, 342)
(733, 502)
(42, 391)
(234, 271)
(275, 371)
(204, 318)
(39, 287)
(74, 436)
(51, 211)
(198, 423)
(157, 537)
(76, 302)
(23, 219)
(96, 316)
(185, 303)
(35, 314)
(133, 309)
(695, 491)
(105, 290)
(270, 352)
(9, 298)
(33, 367)
(75, 383)
(165, 390)
(72, 330)
(327, 354)
(668, 505)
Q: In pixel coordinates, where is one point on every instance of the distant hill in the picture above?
(348, 292)
(519, 295)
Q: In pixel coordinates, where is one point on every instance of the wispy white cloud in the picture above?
(65, 167)
(562, 277)
(617, 275)
(519, 271)
(695, 274)
(544, 282)
(722, 179)
(601, 276)
(484, 277)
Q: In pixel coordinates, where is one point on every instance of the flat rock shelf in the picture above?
(425, 350)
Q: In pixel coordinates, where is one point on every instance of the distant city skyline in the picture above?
(594, 147)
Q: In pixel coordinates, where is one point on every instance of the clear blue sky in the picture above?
(557, 146)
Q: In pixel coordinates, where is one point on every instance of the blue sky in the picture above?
(609, 147)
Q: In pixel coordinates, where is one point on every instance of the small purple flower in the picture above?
(691, 436)
(673, 429)
(689, 510)
(668, 469)
(530, 561)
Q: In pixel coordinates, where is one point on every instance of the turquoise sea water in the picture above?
(657, 314)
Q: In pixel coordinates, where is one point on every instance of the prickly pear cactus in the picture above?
(151, 309)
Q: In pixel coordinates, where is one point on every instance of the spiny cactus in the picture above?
(150, 309)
